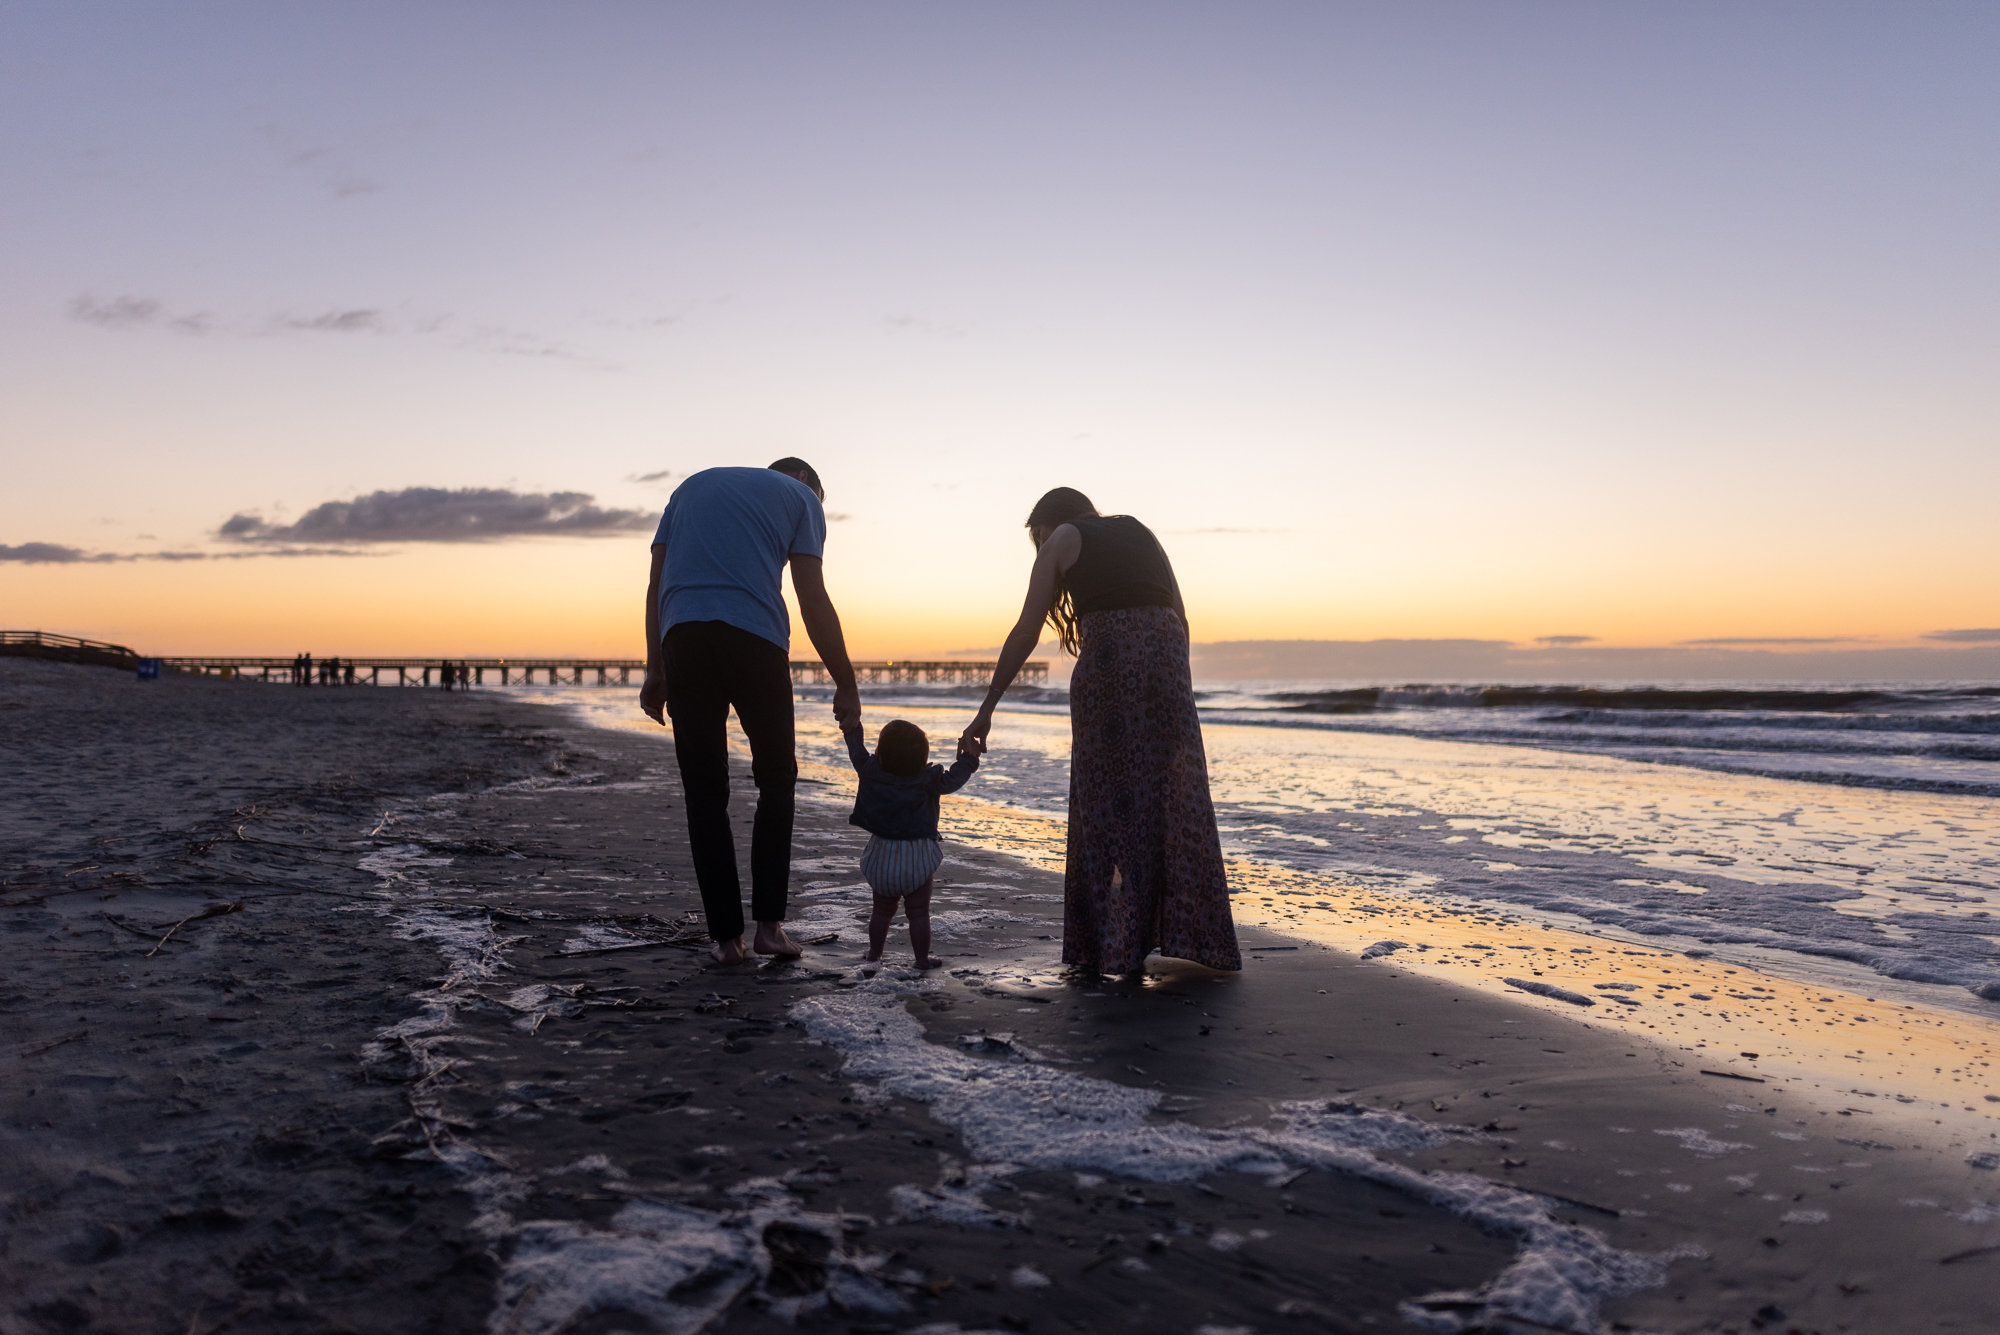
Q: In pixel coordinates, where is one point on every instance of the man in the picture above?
(717, 635)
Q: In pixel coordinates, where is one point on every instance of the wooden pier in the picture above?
(336, 671)
(464, 672)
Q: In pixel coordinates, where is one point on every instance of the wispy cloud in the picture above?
(917, 324)
(1726, 640)
(439, 514)
(56, 554)
(130, 312)
(1989, 635)
(1558, 641)
(358, 321)
(127, 312)
(334, 168)
(659, 476)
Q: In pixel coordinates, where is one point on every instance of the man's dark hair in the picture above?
(801, 470)
(902, 748)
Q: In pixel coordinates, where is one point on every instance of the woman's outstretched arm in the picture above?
(1052, 560)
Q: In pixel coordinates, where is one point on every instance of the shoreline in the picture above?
(1746, 999)
(552, 1085)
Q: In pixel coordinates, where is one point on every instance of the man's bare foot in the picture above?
(929, 962)
(771, 940)
(728, 952)
(873, 957)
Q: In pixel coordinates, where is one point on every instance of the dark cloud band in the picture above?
(438, 514)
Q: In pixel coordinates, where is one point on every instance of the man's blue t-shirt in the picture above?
(728, 534)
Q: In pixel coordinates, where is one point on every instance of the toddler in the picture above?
(898, 805)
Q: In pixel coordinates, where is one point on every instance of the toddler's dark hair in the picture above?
(902, 748)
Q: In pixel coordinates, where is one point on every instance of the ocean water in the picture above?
(1854, 829)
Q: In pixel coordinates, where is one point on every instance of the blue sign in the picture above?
(149, 669)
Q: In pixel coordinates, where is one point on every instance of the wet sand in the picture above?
(458, 1063)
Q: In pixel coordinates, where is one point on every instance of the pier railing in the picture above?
(377, 671)
(334, 671)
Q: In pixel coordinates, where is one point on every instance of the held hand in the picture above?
(653, 697)
(968, 747)
(974, 737)
(847, 707)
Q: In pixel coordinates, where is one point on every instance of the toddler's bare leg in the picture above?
(878, 924)
(917, 904)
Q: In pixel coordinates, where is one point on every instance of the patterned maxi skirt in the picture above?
(1145, 861)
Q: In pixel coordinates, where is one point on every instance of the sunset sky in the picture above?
(1645, 322)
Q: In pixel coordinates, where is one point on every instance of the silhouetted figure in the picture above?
(445, 674)
(717, 639)
(1144, 868)
(348, 668)
(306, 669)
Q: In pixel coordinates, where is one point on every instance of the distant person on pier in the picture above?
(1144, 867)
(717, 636)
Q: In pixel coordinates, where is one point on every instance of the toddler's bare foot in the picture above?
(728, 952)
(929, 962)
(771, 940)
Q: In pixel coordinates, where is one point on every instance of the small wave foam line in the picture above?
(678, 1267)
(1884, 1057)
(1016, 1113)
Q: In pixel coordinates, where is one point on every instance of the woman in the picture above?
(1145, 862)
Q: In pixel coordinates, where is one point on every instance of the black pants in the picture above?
(712, 665)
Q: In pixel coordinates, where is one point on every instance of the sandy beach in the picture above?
(384, 1011)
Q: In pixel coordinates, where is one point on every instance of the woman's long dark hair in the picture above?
(1055, 509)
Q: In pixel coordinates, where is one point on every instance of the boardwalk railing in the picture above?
(65, 649)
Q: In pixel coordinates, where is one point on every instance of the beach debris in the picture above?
(1551, 991)
(1381, 948)
(985, 1042)
(1576, 1204)
(53, 1044)
(1617, 987)
(1969, 1254)
(1984, 1159)
(1732, 1075)
(212, 911)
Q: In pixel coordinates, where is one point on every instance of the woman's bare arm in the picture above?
(1052, 561)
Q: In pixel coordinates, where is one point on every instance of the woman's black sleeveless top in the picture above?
(1121, 565)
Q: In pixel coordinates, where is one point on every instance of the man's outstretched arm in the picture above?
(823, 629)
(653, 695)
